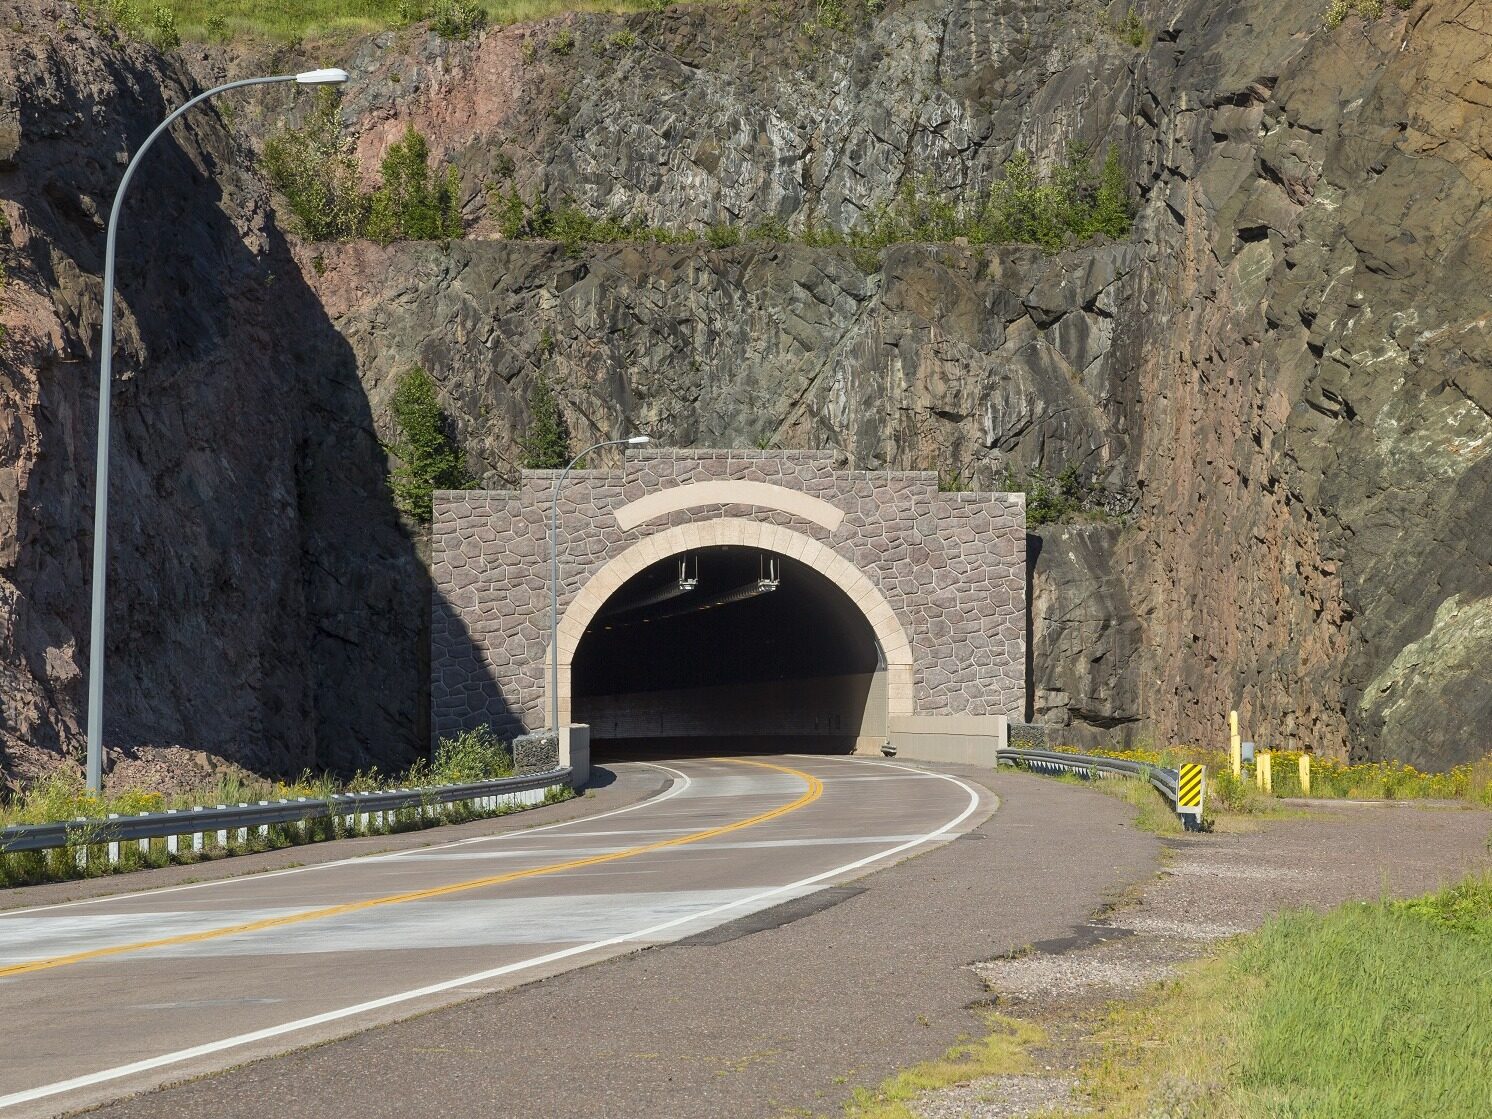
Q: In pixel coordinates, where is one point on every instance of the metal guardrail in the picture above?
(1165, 781)
(358, 809)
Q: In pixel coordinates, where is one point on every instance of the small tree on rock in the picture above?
(428, 458)
(413, 203)
(546, 446)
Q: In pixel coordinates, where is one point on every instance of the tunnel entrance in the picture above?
(730, 648)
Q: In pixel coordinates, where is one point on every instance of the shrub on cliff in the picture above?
(412, 203)
(546, 445)
(428, 458)
(314, 167)
(1070, 205)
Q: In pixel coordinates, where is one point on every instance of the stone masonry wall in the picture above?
(951, 565)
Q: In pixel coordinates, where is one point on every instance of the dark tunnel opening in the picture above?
(729, 649)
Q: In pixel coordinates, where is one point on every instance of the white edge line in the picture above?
(676, 787)
(121, 1071)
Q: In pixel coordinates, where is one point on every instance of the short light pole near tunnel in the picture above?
(554, 723)
(95, 769)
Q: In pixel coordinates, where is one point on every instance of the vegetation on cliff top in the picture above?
(451, 19)
(1072, 204)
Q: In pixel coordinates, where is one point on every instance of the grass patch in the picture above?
(1153, 814)
(1002, 1052)
(204, 20)
(1370, 1010)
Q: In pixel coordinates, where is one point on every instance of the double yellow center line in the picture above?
(814, 791)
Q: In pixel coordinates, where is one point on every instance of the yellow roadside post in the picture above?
(1305, 775)
(1235, 745)
(1263, 773)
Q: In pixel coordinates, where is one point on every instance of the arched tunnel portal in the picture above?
(730, 647)
(829, 608)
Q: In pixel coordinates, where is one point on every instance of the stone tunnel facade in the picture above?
(939, 577)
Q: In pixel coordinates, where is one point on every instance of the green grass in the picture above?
(1370, 1010)
(308, 19)
(1153, 814)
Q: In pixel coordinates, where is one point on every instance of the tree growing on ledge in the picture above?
(546, 445)
(428, 458)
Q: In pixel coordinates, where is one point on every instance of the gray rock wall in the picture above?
(1280, 381)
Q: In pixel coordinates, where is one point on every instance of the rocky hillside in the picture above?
(1275, 390)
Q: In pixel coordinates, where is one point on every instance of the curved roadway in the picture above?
(107, 996)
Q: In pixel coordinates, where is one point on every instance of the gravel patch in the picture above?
(1001, 1097)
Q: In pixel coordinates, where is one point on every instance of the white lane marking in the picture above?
(652, 932)
(738, 845)
(680, 783)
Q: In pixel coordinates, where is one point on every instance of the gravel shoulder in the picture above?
(1210, 887)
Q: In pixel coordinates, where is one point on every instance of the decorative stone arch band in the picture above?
(895, 646)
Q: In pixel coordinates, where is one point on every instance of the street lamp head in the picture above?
(634, 440)
(321, 77)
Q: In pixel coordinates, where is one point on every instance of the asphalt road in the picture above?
(107, 996)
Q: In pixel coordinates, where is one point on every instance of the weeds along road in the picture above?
(107, 996)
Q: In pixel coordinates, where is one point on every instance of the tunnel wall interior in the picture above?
(894, 600)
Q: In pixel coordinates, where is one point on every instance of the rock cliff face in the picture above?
(1282, 376)
(1280, 381)
(249, 524)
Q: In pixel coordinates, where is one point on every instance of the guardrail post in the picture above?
(1305, 775)
(1264, 773)
(113, 844)
(171, 840)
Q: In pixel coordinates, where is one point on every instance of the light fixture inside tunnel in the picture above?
(685, 584)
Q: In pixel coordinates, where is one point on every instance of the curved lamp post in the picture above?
(101, 475)
(554, 723)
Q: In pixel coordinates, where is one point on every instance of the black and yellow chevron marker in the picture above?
(1189, 788)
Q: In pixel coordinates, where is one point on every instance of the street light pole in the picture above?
(105, 374)
(554, 722)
